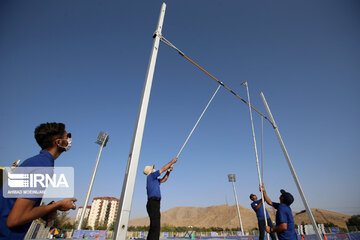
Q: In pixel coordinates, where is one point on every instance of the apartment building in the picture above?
(79, 212)
(103, 211)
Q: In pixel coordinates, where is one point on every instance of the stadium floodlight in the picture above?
(102, 139)
(232, 178)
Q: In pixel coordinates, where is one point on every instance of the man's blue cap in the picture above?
(287, 197)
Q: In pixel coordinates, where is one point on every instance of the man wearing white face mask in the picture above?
(16, 214)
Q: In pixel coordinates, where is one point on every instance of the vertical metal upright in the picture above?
(101, 140)
(123, 214)
(257, 157)
(287, 157)
(232, 178)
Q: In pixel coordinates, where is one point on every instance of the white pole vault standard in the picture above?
(238, 210)
(123, 214)
(256, 155)
(191, 132)
(292, 169)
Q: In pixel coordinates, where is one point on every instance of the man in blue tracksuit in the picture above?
(258, 207)
(285, 225)
(154, 196)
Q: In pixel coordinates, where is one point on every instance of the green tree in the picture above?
(354, 221)
(85, 225)
(68, 226)
(145, 228)
(100, 226)
(112, 226)
(167, 228)
(61, 218)
(330, 224)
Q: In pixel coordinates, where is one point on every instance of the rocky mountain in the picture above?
(322, 216)
(226, 216)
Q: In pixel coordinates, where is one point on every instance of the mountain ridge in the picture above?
(225, 216)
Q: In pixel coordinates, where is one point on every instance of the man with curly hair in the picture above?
(16, 214)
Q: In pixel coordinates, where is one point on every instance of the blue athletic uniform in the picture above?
(284, 215)
(260, 211)
(153, 185)
(44, 159)
(261, 219)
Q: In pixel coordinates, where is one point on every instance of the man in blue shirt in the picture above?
(154, 196)
(258, 207)
(285, 225)
(16, 214)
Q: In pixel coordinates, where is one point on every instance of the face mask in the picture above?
(154, 170)
(67, 148)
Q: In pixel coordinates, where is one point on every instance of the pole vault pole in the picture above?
(123, 214)
(292, 169)
(257, 158)
(192, 130)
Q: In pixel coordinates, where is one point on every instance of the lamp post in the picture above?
(232, 178)
(102, 139)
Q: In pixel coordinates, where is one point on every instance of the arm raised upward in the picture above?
(166, 175)
(167, 166)
(266, 198)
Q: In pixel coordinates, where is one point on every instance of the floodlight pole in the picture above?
(232, 179)
(101, 140)
(287, 157)
(127, 192)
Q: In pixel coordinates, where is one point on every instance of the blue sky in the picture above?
(84, 63)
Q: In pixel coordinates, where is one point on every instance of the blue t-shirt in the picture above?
(44, 159)
(260, 211)
(284, 215)
(153, 185)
